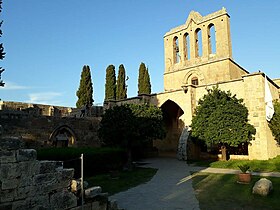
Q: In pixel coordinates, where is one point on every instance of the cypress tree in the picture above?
(144, 85)
(110, 86)
(2, 53)
(121, 87)
(142, 70)
(85, 90)
(147, 83)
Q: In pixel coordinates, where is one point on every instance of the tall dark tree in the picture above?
(121, 86)
(222, 119)
(110, 86)
(144, 85)
(2, 53)
(85, 91)
(147, 82)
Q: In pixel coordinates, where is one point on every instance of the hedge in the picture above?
(96, 160)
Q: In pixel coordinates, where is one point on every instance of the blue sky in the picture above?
(48, 42)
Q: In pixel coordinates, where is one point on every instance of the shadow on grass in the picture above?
(221, 191)
(124, 181)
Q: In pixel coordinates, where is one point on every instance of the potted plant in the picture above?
(244, 177)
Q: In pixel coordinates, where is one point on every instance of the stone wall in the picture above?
(27, 183)
(40, 131)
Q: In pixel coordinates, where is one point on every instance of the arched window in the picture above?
(198, 42)
(212, 39)
(186, 46)
(194, 81)
(176, 51)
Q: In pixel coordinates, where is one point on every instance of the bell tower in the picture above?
(199, 52)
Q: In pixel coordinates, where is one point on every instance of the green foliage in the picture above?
(274, 124)
(121, 86)
(221, 118)
(110, 86)
(244, 168)
(96, 160)
(85, 90)
(2, 53)
(144, 84)
(131, 125)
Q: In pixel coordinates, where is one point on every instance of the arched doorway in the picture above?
(63, 136)
(171, 114)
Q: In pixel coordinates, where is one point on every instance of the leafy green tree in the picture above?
(121, 86)
(221, 119)
(2, 53)
(85, 90)
(144, 85)
(274, 124)
(130, 126)
(110, 86)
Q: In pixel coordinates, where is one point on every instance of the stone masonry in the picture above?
(27, 183)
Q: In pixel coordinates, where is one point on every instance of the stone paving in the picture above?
(170, 189)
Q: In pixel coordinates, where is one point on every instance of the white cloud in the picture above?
(52, 98)
(14, 86)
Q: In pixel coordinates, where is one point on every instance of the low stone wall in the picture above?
(26, 183)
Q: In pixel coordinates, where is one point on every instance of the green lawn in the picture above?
(221, 191)
(255, 165)
(124, 181)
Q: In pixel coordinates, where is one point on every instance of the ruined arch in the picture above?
(198, 43)
(176, 51)
(173, 125)
(63, 136)
(186, 42)
(211, 31)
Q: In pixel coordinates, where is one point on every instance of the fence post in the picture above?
(82, 179)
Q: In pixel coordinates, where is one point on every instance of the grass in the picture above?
(255, 165)
(125, 180)
(221, 191)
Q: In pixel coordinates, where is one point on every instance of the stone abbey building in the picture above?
(198, 56)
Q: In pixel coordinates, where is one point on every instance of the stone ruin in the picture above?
(26, 183)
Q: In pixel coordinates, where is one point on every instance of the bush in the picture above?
(274, 124)
(96, 160)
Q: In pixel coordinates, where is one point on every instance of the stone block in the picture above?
(40, 179)
(47, 166)
(24, 192)
(21, 204)
(8, 184)
(63, 200)
(7, 156)
(6, 206)
(8, 170)
(28, 169)
(11, 143)
(7, 195)
(262, 187)
(26, 155)
(93, 192)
